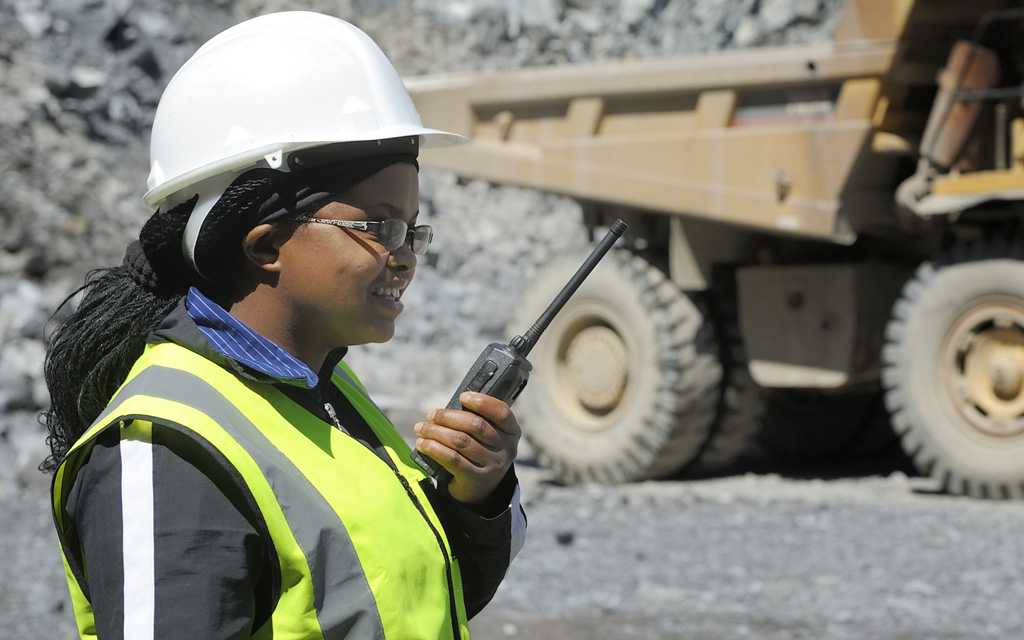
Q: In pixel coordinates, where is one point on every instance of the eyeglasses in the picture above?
(392, 233)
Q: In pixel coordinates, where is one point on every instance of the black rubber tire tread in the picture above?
(742, 404)
(665, 417)
(936, 438)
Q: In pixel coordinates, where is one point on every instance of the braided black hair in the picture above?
(90, 354)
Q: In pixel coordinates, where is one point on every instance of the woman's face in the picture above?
(344, 287)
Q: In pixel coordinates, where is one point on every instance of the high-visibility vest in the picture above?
(360, 551)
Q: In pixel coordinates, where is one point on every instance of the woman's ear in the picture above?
(262, 246)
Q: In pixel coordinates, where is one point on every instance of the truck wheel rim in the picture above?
(595, 370)
(595, 361)
(985, 361)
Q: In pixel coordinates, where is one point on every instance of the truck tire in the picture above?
(954, 369)
(737, 423)
(742, 404)
(625, 379)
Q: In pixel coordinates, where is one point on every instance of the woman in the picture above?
(219, 471)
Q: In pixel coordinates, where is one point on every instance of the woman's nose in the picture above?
(402, 258)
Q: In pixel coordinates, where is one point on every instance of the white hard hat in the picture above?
(268, 87)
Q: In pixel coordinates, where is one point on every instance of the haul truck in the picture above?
(807, 224)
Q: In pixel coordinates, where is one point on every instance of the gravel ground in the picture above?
(859, 551)
(763, 553)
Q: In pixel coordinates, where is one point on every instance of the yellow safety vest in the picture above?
(361, 553)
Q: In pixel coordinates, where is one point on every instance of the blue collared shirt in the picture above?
(233, 339)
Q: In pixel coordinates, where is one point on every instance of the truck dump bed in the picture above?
(801, 140)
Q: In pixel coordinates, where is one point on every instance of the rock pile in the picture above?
(80, 79)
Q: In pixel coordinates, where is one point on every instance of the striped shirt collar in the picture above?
(233, 339)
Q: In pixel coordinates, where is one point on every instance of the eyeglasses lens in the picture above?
(421, 237)
(395, 232)
(391, 233)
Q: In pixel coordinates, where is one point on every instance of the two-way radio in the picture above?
(502, 370)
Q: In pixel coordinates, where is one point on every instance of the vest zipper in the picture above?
(456, 632)
(334, 417)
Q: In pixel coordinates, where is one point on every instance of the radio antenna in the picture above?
(524, 344)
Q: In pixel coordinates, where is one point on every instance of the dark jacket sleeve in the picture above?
(209, 570)
(484, 538)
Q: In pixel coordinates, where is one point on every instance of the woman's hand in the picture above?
(476, 446)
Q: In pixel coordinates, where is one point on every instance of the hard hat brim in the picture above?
(273, 154)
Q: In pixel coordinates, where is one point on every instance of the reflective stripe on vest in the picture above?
(358, 556)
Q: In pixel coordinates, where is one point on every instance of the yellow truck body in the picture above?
(834, 212)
